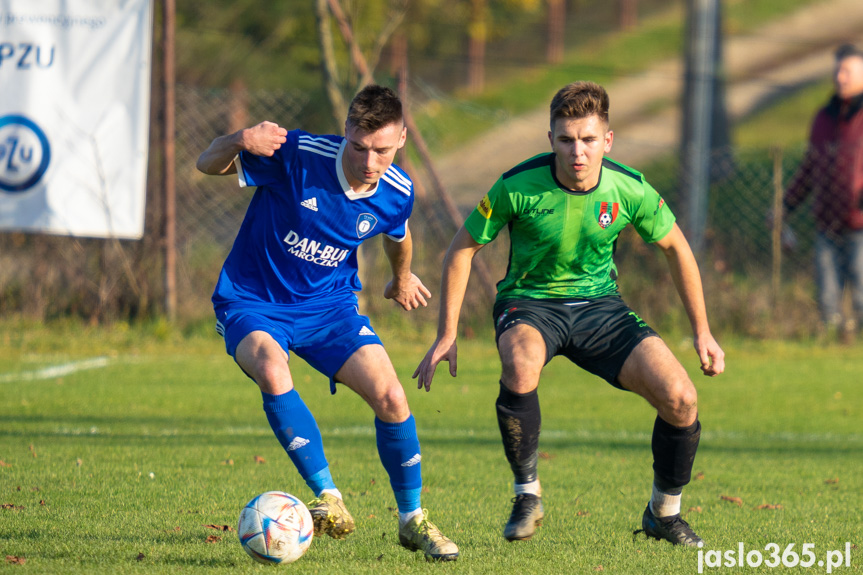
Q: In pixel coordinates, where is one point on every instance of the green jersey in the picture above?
(562, 242)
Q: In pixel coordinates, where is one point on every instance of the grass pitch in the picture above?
(135, 463)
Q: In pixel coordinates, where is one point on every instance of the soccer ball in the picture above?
(275, 527)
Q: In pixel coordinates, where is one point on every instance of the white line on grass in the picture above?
(492, 434)
(55, 370)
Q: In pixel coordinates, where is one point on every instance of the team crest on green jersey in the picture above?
(606, 213)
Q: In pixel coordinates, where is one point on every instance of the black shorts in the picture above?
(596, 335)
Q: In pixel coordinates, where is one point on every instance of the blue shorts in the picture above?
(324, 336)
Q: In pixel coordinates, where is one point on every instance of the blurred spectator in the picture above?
(833, 169)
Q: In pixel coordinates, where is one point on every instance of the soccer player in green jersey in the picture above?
(564, 211)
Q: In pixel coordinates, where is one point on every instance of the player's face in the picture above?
(369, 154)
(579, 145)
(849, 77)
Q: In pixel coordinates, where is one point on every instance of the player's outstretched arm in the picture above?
(687, 279)
(456, 272)
(406, 289)
(261, 140)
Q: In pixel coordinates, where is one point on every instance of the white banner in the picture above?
(74, 116)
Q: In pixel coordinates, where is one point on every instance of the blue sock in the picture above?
(320, 481)
(399, 449)
(297, 431)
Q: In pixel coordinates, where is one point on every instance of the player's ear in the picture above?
(551, 138)
(403, 138)
(609, 138)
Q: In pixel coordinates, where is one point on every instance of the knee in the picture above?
(271, 376)
(519, 375)
(391, 405)
(681, 408)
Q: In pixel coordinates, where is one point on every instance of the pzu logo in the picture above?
(24, 153)
(27, 55)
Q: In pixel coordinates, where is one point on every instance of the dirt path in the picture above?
(645, 117)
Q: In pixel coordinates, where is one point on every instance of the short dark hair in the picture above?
(847, 50)
(375, 107)
(580, 100)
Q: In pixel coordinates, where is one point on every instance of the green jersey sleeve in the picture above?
(654, 219)
(493, 212)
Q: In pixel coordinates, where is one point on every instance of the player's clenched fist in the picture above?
(264, 139)
(261, 140)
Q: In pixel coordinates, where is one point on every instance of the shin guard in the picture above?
(518, 416)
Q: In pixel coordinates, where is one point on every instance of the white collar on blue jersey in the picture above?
(343, 180)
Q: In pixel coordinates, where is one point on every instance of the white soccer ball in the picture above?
(275, 528)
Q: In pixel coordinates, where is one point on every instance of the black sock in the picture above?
(519, 419)
(673, 454)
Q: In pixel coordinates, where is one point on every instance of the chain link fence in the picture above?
(748, 291)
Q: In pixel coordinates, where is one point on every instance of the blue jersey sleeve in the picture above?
(269, 170)
(399, 231)
(401, 184)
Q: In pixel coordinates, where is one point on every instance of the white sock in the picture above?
(405, 517)
(335, 492)
(664, 504)
(533, 488)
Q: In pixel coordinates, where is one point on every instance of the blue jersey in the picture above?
(298, 242)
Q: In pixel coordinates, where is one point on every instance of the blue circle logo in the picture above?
(24, 153)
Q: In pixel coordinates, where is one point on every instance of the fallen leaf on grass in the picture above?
(699, 476)
(546, 456)
(583, 513)
(220, 527)
(730, 499)
(12, 506)
(696, 509)
(832, 481)
(599, 568)
(768, 506)
(4, 464)
(380, 557)
(140, 557)
(42, 502)
(259, 459)
(214, 538)
(228, 462)
(15, 560)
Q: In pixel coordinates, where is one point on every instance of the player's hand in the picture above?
(264, 139)
(410, 294)
(441, 351)
(711, 355)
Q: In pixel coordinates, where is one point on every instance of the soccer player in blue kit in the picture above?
(289, 282)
